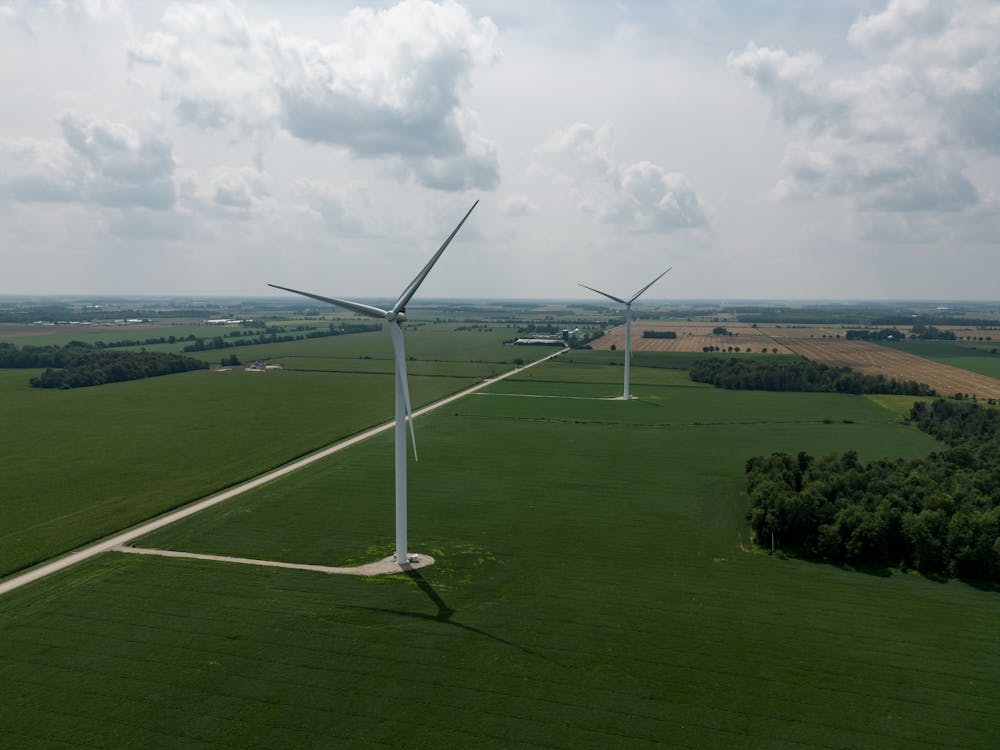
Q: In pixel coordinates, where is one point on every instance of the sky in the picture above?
(815, 149)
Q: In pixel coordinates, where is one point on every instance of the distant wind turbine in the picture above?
(396, 316)
(628, 322)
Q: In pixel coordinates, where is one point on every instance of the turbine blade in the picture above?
(609, 296)
(399, 349)
(361, 309)
(412, 287)
(636, 295)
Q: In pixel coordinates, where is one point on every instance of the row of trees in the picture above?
(919, 331)
(96, 367)
(927, 333)
(796, 375)
(219, 342)
(710, 348)
(659, 334)
(939, 514)
(881, 334)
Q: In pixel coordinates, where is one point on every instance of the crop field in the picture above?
(691, 337)
(978, 357)
(83, 463)
(55, 335)
(424, 342)
(873, 359)
(593, 588)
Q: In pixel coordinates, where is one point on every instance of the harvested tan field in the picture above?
(796, 331)
(872, 359)
(691, 337)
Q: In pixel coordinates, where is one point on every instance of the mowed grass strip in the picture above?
(591, 591)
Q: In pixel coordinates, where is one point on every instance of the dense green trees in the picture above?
(659, 334)
(796, 375)
(926, 333)
(882, 334)
(97, 367)
(940, 514)
(77, 364)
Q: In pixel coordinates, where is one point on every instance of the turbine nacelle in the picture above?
(399, 317)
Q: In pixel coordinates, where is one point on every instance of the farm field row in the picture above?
(873, 359)
(593, 588)
(691, 337)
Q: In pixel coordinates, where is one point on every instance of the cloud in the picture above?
(904, 178)
(28, 13)
(901, 21)
(517, 205)
(343, 210)
(792, 84)
(387, 83)
(227, 192)
(97, 161)
(953, 49)
(640, 196)
(897, 135)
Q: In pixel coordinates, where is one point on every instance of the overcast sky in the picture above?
(789, 150)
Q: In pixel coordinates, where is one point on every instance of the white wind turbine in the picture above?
(396, 316)
(628, 322)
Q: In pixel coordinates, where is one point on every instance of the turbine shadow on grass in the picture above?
(444, 614)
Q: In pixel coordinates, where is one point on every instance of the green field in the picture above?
(964, 354)
(594, 588)
(83, 463)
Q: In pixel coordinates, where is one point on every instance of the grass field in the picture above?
(593, 589)
(83, 463)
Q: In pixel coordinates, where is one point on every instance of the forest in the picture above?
(77, 365)
(939, 515)
(797, 375)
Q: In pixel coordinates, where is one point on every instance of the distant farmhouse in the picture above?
(562, 339)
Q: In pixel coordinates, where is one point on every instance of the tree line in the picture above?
(939, 514)
(659, 334)
(202, 344)
(796, 375)
(87, 367)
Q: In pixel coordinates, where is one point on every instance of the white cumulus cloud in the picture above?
(96, 161)
(384, 83)
(640, 196)
(899, 133)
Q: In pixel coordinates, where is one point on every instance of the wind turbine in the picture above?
(628, 322)
(396, 316)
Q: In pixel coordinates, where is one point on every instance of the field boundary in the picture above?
(123, 538)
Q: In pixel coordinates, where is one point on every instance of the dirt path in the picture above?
(125, 537)
(381, 567)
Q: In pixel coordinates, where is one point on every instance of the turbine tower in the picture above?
(628, 322)
(396, 316)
